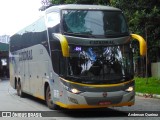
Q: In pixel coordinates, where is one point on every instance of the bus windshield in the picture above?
(112, 64)
(94, 23)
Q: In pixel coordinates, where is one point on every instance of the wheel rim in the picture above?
(19, 89)
(48, 97)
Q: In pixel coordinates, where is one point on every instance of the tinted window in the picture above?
(101, 23)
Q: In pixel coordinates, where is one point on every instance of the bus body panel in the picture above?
(32, 71)
(82, 70)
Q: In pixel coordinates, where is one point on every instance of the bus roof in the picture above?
(82, 7)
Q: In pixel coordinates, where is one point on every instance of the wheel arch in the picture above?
(45, 88)
(15, 82)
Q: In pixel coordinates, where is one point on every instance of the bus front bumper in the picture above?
(98, 100)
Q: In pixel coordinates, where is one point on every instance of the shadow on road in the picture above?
(101, 112)
(79, 113)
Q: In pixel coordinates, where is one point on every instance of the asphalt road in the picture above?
(10, 102)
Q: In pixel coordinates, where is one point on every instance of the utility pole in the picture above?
(146, 36)
(147, 26)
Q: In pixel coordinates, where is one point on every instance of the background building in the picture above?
(4, 58)
(4, 39)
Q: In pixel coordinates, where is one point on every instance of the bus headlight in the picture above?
(129, 89)
(69, 88)
(75, 91)
(72, 90)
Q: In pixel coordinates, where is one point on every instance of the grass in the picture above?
(152, 87)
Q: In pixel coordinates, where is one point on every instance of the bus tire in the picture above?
(19, 90)
(49, 102)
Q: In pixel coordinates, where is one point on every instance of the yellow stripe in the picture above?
(104, 85)
(93, 106)
(142, 44)
(40, 97)
(64, 45)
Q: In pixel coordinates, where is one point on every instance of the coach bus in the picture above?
(76, 56)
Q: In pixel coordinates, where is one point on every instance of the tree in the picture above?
(143, 17)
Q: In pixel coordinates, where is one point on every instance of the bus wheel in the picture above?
(19, 90)
(49, 102)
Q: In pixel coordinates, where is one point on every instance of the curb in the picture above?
(146, 95)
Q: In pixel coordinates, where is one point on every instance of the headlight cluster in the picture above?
(72, 90)
(131, 88)
(75, 91)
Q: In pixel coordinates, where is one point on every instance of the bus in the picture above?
(76, 57)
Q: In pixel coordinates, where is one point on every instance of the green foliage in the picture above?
(143, 18)
(152, 87)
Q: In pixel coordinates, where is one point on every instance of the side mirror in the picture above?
(64, 44)
(142, 44)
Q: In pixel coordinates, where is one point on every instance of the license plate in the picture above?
(105, 103)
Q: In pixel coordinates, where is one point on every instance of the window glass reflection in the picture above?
(100, 63)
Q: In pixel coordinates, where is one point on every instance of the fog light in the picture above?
(73, 100)
(129, 89)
